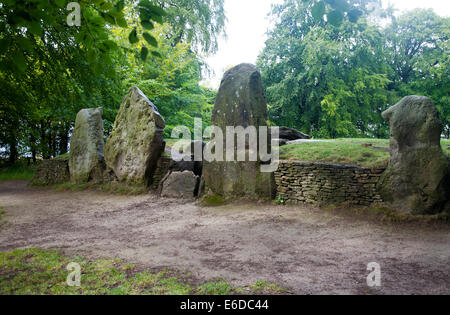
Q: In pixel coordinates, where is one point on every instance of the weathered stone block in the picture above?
(86, 162)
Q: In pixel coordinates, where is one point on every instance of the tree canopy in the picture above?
(335, 79)
(50, 68)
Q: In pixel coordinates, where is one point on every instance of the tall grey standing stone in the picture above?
(240, 102)
(417, 179)
(86, 161)
(136, 142)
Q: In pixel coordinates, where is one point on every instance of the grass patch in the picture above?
(214, 201)
(112, 188)
(19, 171)
(220, 287)
(63, 156)
(348, 151)
(43, 272)
(344, 151)
(263, 287)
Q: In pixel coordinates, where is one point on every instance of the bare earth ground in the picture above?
(309, 250)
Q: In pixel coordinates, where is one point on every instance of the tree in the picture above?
(50, 70)
(198, 22)
(418, 47)
(335, 81)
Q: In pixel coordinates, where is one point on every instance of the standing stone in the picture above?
(136, 142)
(86, 162)
(240, 102)
(418, 177)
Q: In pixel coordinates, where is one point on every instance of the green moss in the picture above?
(215, 200)
(446, 146)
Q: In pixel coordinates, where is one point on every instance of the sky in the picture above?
(248, 23)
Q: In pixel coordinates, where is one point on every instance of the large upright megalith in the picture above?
(136, 142)
(418, 176)
(86, 162)
(240, 102)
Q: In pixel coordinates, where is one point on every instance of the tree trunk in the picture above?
(13, 153)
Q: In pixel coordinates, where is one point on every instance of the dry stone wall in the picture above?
(304, 182)
(51, 172)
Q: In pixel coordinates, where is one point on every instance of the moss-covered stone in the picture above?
(136, 142)
(86, 162)
(418, 177)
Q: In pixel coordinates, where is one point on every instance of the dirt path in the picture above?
(306, 249)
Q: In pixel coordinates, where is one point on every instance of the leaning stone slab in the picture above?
(418, 176)
(240, 102)
(86, 162)
(136, 142)
(180, 185)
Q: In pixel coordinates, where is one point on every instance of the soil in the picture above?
(308, 250)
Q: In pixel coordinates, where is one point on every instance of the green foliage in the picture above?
(335, 11)
(419, 56)
(334, 81)
(49, 71)
(280, 200)
(199, 22)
